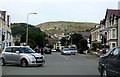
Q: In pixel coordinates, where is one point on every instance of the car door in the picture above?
(119, 65)
(15, 56)
(113, 60)
(8, 54)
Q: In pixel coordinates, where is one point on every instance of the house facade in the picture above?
(5, 30)
(109, 27)
(95, 33)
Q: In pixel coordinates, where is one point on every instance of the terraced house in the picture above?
(109, 27)
(5, 30)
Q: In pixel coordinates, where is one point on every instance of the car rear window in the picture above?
(66, 49)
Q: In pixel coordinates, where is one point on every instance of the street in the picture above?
(57, 64)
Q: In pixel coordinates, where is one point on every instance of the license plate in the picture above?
(38, 59)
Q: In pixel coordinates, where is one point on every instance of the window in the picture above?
(110, 34)
(57, 44)
(113, 44)
(26, 50)
(8, 50)
(113, 33)
(16, 49)
(9, 43)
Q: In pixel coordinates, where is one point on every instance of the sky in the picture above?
(57, 10)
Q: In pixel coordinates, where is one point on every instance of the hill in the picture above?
(20, 28)
(59, 27)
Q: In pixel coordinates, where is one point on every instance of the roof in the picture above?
(85, 35)
(110, 12)
(53, 40)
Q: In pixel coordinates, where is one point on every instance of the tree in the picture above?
(80, 42)
(76, 39)
(50, 46)
(96, 45)
(83, 45)
(32, 43)
(63, 41)
(35, 36)
(20, 28)
(17, 43)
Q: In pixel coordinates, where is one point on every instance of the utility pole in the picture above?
(27, 27)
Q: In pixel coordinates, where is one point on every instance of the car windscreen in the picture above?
(27, 50)
(71, 49)
(107, 52)
(66, 49)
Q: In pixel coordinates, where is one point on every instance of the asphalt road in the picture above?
(57, 64)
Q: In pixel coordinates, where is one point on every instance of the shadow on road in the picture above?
(14, 65)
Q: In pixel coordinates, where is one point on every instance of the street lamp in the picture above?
(27, 27)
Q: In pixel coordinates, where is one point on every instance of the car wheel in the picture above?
(73, 53)
(104, 73)
(2, 62)
(24, 63)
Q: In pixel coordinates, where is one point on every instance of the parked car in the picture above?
(73, 51)
(65, 51)
(47, 50)
(22, 55)
(58, 50)
(109, 64)
(53, 50)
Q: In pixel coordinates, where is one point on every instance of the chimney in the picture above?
(8, 20)
(3, 15)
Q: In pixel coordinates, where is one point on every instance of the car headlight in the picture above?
(31, 58)
(43, 56)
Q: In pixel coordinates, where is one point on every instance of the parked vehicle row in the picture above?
(68, 51)
(47, 50)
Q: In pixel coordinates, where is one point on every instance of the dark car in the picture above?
(109, 64)
(47, 50)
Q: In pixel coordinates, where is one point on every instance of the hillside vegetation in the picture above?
(35, 36)
(65, 27)
(20, 28)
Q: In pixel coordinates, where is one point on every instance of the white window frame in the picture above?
(111, 43)
(112, 33)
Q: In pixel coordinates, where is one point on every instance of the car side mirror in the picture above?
(17, 52)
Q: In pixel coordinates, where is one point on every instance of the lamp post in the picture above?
(27, 27)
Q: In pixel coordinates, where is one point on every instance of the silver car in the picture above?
(22, 55)
(66, 51)
(73, 51)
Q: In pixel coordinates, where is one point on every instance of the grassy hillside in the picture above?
(65, 27)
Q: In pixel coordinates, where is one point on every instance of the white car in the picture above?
(53, 50)
(22, 55)
(65, 51)
(73, 51)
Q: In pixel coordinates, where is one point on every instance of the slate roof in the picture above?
(110, 12)
(85, 35)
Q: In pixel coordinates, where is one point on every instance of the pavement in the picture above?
(89, 56)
